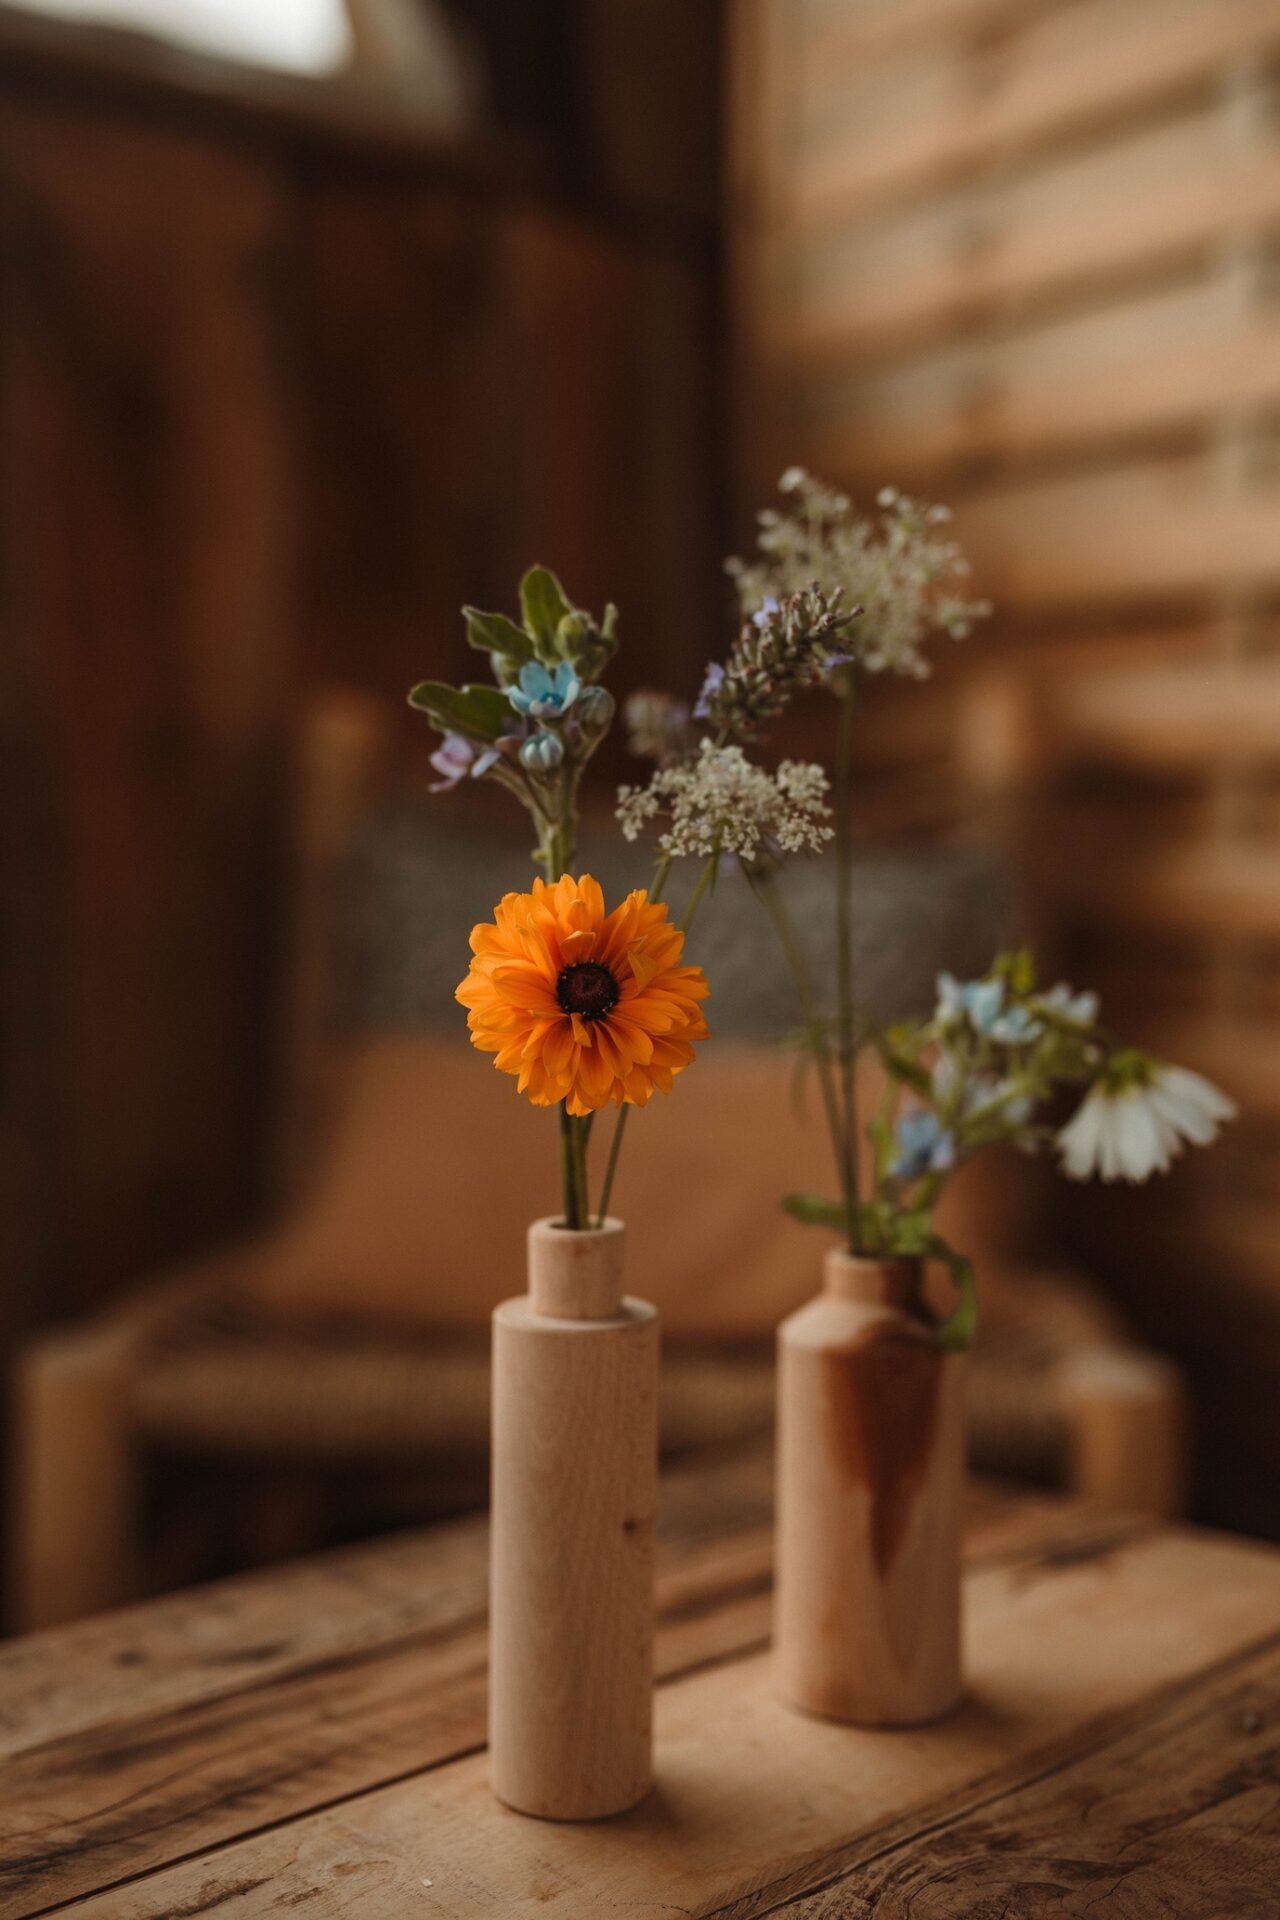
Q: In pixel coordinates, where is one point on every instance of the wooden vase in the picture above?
(575, 1380)
(869, 1495)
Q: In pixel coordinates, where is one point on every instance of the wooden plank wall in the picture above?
(283, 382)
(1024, 256)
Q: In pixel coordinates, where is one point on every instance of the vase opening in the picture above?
(874, 1282)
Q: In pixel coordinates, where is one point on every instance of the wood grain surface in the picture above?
(313, 1738)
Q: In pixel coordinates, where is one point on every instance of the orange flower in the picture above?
(580, 1006)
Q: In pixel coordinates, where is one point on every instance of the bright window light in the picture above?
(296, 36)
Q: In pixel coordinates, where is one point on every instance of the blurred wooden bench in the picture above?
(339, 1361)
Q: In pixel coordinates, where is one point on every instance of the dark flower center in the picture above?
(587, 989)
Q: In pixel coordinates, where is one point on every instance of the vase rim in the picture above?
(576, 1273)
(554, 1223)
(892, 1280)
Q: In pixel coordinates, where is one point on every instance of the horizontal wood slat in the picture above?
(879, 127)
(1159, 201)
(1184, 719)
(1045, 396)
(1156, 531)
(849, 32)
(1211, 890)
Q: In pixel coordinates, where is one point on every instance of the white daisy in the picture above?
(1131, 1132)
(1190, 1104)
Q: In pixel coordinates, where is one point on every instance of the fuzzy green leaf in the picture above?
(903, 1067)
(814, 1211)
(544, 606)
(478, 713)
(494, 633)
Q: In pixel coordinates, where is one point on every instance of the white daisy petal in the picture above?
(1190, 1103)
(1109, 1156)
(1079, 1138)
(1142, 1149)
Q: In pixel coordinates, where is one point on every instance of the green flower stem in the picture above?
(573, 1218)
(556, 854)
(611, 1166)
(705, 880)
(848, 1053)
(620, 1125)
(766, 888)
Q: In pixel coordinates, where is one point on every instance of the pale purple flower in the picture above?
(711, 685)
(457, 757)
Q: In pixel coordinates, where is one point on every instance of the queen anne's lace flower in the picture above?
(720, 803)
(901, 569)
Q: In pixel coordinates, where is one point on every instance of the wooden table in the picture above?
(310, 1741)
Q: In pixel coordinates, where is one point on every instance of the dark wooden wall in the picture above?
(283, 382)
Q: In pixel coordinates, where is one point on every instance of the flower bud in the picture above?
(542, 754)
(572, 636)
(594, 712)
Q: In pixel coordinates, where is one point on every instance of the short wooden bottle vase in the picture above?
(869, 1501)
(575, 1380)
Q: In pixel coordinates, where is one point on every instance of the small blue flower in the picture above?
(978, 1001)
(711, 686)
(1015, 1027)
(1080, 1008)
(924, 1145)
(768, 607)
(542, 754)
(542, 695)
(981, 1003)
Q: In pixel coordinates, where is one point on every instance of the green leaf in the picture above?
(494, 633)
(544, 606)
(1019, 970)
(479, 713)
(814, 1211)
(903, 1068)
(909, 1234)
(609, 626)
(957, 1332)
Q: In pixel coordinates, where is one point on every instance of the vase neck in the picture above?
(884, 1283)
(576, 1276)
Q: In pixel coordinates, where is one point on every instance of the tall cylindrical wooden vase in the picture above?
(869, 1496)
(575, 1380)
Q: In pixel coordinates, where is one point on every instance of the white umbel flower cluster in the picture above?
(901, 568)
(719, 802)
(1140, 1129)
